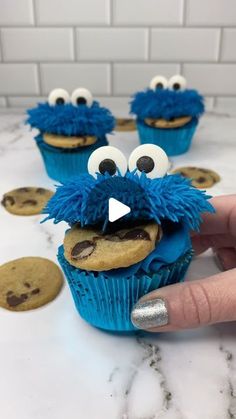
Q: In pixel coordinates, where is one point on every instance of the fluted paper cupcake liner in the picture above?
(106, 302)
(61, 164)
(174, 141)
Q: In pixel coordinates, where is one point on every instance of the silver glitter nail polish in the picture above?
(149, 314)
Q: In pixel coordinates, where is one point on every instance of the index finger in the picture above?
(224, 220)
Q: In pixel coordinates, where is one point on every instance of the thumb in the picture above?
(188, 305)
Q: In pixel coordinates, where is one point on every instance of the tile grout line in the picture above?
(1, 47)
(111, 13)
(184, 14)
(149, 44)
(218, 60)
(111, 81)
(220, 48)
(74, 40)
(120, 62)
(39, 79)
(38, 72)
(35, 20)
(103, 26)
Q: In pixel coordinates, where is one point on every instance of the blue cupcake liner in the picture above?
(106, 302)
(61, 164)
(174, 141)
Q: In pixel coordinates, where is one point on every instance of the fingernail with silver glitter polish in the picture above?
(150, 314)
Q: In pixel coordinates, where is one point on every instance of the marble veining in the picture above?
(53, 365)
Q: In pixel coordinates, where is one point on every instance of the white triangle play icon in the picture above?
(117, 209)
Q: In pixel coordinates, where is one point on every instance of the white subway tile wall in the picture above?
(114, 47)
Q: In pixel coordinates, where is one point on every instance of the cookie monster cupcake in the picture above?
(111, 261)
(168, 114)
(70, 130)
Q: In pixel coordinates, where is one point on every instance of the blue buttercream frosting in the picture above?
(172, 246)
(70, 120)
(167, 104)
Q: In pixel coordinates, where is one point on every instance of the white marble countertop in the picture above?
(55, 366)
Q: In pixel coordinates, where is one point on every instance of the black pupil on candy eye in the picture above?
(60, 101)
(81, 101)
(176, 86)
(159, 85)
(107, 165)
(145, 164)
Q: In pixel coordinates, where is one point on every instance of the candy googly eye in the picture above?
(177, 82)
(107, 159)
(158, 82)
(58, 97)
(150, 159)
(82, 96)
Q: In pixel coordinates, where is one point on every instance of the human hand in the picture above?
(205, 301)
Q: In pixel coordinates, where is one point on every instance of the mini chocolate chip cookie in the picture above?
(125, 124)
(68, 142)
(26, 201)
(89, 249)
(28, 283)
(201, 178)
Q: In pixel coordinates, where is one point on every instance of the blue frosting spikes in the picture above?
(171, 197)
(167, 104)
(71, 120)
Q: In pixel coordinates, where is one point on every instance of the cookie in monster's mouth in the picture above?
(71, 122)
(167, 103)
(164, 208)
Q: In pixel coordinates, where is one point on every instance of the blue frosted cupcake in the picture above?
(111, 261)
(70, 130)
(168, 114)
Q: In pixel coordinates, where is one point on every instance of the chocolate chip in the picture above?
(107, 165)
(24, 296)
(27, 285)
(136, 234)
(9, 292)
(13, 300)
(201, 179)
(40, 191)
(145, 164)
(35, 291)
(8, 200)
(30, 202)
(23, 190)
(113, 238)
(83, 249)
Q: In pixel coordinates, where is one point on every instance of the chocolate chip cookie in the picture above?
(201, 178)
(125, 124)
(68, 142)
(89, 249)
(26, 201)
(28, 283)
(164, 124)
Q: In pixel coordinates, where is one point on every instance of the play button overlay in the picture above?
(117, 210)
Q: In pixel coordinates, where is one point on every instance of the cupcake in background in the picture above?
(109, 260)
(70, 129)
(168, 114)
